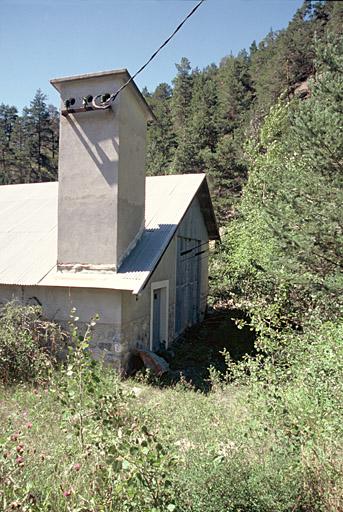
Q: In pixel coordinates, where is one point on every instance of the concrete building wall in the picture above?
(101, 174)
(136, 310)
(57, 303)
(125, 319)
(88, 178)
(131, 177)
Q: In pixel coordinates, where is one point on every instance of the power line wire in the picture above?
(113, 96)
(182, 253)
(194, 256)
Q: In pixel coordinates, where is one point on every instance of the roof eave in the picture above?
(207, 210)
(210, 221)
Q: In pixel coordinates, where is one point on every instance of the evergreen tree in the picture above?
(182, 95)
(200, 132)
(8, 119)
(264, 73)
(161, 136)
(287, 249)
(38, 140)
(235, 92)
(227, 172)
(54, 121)
(21, 153)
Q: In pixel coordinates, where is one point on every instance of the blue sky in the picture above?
(44, 39)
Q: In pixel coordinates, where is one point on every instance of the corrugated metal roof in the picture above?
(28, 234)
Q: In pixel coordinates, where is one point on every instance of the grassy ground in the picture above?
(85, 442)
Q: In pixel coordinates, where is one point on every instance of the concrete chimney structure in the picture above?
(101, 197)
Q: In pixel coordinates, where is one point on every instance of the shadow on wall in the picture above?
(94, 150)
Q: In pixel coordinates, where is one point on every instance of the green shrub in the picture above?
(28, 343)
(268, 437)
(95, 455)
(268, 441)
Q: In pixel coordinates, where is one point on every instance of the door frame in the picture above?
(164, 287)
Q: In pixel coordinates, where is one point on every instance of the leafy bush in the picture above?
(285, 251)
(99, 456)
(28, 343)
(266, 440)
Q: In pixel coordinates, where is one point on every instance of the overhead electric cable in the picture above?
(190, 250)
(113, 96)
(194, 256)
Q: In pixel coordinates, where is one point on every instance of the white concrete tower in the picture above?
(101, 198)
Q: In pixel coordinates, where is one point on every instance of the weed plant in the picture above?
(267, 438)
(76, 445)
(29, 344)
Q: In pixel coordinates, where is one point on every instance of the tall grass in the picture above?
(267, 438)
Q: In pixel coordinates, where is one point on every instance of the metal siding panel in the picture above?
(187, 277)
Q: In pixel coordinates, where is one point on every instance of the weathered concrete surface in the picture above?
(125, 319)
(136, 309)
(124, 322)
(57, 303)
(101, 174)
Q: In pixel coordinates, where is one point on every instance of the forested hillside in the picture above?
(206, 118)
(28, 142)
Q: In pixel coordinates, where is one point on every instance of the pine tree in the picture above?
(290, 238)
(200, 131)
(54, 121)
(8, 119)
(161, 136)
(182, 95)
(235, 91)
(227, 172)
(21, 153)
(38, 140)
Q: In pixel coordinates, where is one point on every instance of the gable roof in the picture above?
(28, 233)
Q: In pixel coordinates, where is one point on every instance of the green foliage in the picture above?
(281, 261)
(39, 125)
(161, 136)
(28, 344)
(28, 142)
(266, 439)
(101, 456)
(182, 94)
(202, 121)
(286, 249)
(8, 118)
(269, 438)
(205, 120)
